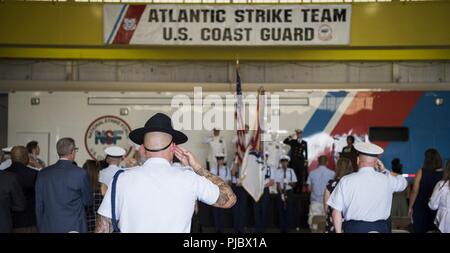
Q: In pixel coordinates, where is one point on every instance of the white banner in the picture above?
(252, 177)
(225, 25)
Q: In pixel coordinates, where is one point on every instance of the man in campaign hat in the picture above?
(114, 155)
(364, 198)
(159, 197)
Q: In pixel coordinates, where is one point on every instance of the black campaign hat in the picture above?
(157, 123)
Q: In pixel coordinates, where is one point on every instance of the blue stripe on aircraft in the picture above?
(324, 112)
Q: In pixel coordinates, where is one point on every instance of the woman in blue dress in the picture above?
(422, 217)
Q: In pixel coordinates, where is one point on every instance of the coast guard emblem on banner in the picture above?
(325, 32)
(129, 24)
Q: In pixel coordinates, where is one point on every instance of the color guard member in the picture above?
(261, 208)
(216, 145)
(286, 181)
(158, 197)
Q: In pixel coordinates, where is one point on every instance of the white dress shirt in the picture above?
(440, 200)
(224, 173)
(366, 195)
(158, 198)
(106, 175)
(217, 146)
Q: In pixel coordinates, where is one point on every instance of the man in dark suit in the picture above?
(62, 192)
(299, 157)
(11, 199)
(24, 221)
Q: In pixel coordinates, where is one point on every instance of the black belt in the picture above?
(358, 226)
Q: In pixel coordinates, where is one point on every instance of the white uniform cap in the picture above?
(266, 153)
(285, 157)
(368, 149)
(7, 149)
(115, 151)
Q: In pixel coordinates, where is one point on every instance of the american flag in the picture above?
(240, 143)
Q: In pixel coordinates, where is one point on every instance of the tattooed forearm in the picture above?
(103, 225)
(226, 197)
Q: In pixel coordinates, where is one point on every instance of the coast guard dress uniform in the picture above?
(273, 161)
(106, 175)
(365, 197)
(299, 158)
(283, 177)
(216, 145)
(261, 208)
(275, 152)
(225, 174)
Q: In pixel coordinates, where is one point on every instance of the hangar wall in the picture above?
(54, 51)
(183, 75)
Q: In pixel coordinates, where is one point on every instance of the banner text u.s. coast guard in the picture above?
(225, 25)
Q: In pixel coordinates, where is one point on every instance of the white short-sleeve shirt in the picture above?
(217, 146)
(275, 152)
(158, 198)
(366, 195)
(268, 174)
(285, 177)
(440, 200)
(106, 175)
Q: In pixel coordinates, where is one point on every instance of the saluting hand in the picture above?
(187, 158)
(380, 165)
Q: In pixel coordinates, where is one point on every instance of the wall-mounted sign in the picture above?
(225, 25)
(106, 131)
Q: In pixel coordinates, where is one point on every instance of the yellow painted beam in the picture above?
(221, 53)
(380, 31)
(36, 23)
(80, 24)
(401, 24)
